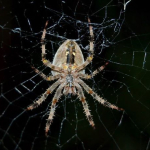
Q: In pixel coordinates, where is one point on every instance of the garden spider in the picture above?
(68, 67)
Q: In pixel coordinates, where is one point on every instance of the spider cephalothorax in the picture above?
(68, 68)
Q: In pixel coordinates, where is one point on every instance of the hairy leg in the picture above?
(44, 96)
(95, 72)
(85, 105)
(98, 98)
(44, 60)
(47, 78)
(91, 50)
(53, 107)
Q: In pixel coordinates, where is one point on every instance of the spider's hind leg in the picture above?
(44, 60)
(91, 49)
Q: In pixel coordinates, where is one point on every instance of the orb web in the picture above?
(121, 38)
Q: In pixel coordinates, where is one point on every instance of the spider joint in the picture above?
(89, 76)
(55, 101)
(92, 38)
(43, 41)
(82, 99)
(48, 92)
(90, 58)
(48, 78)
(90, 92)
(45, 61)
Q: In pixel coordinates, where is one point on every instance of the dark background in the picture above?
(125, 82)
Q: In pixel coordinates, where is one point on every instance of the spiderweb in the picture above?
(122, 38)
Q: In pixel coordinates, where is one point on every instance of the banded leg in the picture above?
(44, 60)
(47, 78)
(53, 107)
(44, 96)
(85, 105)
(91, 50)
(87, 76)
(98, 98)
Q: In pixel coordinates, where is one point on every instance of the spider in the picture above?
(68, 68)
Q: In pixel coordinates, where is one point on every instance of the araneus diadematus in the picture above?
(68, 67)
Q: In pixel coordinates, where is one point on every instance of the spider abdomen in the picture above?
(69, 53)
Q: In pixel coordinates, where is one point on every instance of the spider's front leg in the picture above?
(44, 60)
(44, 96)
(53, 107)
(98, 98)
(85, 105)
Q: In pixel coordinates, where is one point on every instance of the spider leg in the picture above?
(95, 72)
(85, 105)
(91, 50)
(44, 60)
(53, 107)
(98, 98)
(44, 96)
(47, 78)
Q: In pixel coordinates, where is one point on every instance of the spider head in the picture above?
(69, 88)
(69, 80)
